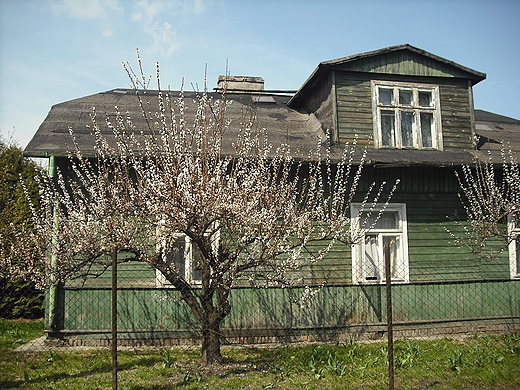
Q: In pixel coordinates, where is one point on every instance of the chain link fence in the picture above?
(151, 312)
(438, 290)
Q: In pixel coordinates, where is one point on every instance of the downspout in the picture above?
(54, 312)
(472, 112)
(335, 127)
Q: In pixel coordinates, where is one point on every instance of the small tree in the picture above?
(251, 214)
(490, 194)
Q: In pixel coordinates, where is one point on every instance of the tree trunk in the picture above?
(211, 345)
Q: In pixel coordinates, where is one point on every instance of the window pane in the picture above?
(385, 96)
(178, 255)
(391, 247)
(425, 99)
(407, 128)
(370, 267)
(196, 271)
(389, 219)
(516, 221)
(387, 128)
(426, 129)
(405, 97)
(406, 115)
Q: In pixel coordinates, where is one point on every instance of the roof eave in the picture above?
(307, 82)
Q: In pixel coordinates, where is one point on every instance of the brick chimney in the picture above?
(240, 83)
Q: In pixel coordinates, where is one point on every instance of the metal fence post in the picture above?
(114, 318)
(389, 320)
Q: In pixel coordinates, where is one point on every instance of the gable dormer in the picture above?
(400, 97)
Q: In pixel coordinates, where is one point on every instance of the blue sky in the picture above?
(53, 51)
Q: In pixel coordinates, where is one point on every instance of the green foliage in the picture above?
(19, 298)
(167, 358)
(405, 353)
(16, 169)
(456, 361)
(16, 332)
(512, 344)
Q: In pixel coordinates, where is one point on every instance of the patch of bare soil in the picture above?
(221, 370)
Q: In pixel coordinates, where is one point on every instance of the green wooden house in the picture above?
(414, 111)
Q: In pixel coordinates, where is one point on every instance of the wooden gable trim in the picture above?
(404, 60)
(387, 60)
(406, 63)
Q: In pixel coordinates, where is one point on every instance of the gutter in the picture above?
(43, 154)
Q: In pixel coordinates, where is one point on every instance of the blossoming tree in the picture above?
(254, 214)
(490, 194)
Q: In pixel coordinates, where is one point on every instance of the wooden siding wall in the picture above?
(321, 90)
(321, 103)
(433, 206)
(446, 282)
(354, 107)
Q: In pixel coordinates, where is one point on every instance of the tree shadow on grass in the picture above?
(192, 372)
(58, 376)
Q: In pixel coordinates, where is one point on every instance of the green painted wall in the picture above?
(433, 207)
(446, 282)
(156, 311)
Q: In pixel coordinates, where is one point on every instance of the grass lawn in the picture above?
(479, 362)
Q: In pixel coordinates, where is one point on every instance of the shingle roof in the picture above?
(275, 113)
(281, 124)
(495, 130)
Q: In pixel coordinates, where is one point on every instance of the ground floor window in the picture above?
(514, 245)
(381, 236)
(185, 257)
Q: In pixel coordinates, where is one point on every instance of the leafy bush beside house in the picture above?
(20, 298)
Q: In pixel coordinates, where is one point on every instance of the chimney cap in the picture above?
(241, 79)
(240, 83)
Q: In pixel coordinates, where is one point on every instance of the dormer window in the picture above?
(406, 115)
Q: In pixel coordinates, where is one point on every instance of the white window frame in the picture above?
(414, 108)
(514, 245)
(360, 234)
(189, 265)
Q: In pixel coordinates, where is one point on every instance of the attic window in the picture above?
(406, 115)
(262, 99)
